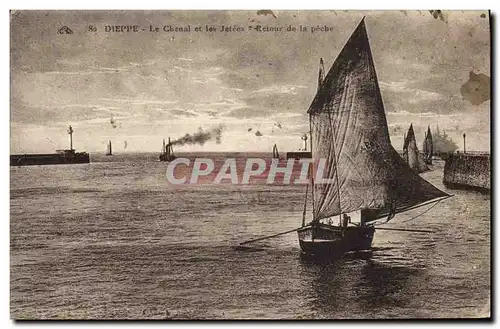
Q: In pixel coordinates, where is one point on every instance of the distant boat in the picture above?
(366, 175)
(411, 154)
(428, 147)
(276, 155)
(167, 152)
(108, 149)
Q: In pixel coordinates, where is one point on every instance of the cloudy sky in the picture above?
(142, 87)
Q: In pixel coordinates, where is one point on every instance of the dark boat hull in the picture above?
(164, 157)
(334, 239)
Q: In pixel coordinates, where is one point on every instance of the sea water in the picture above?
(114, 240)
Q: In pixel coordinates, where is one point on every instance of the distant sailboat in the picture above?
(350, 141)
(167, 152)
(108, 149)
(276, 155)
(411, 154)
(428, 147)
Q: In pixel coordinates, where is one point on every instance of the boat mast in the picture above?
(333, 149)
(321, 78)
(311, 169)
(305, 207)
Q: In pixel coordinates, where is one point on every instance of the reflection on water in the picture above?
(375, 286)
(384, 285)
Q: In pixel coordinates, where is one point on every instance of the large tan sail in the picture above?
(349, 131)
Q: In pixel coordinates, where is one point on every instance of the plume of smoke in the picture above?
(201, 137)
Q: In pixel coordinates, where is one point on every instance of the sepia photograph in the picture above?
(250, 164)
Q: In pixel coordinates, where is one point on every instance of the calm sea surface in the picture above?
(114, 240)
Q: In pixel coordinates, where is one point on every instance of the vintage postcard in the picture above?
(266, 164)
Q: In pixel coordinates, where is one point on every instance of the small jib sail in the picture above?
(411, 154)
(109, 151)
(276, 155)
(428, 147)
(350, 140)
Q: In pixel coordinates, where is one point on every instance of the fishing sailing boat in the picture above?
(350, 142)
(411, 154)
(276, 155)
(428, 147)
(167, 152)
(108, 149)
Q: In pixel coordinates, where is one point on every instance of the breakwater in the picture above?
(468, 171)
(62, 157)
(299, 155)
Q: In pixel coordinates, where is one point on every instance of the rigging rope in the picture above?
(417, 215)
(305, 208)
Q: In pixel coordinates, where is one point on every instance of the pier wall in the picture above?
(48, 159)
(469, 170)
(298, 155)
